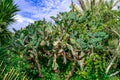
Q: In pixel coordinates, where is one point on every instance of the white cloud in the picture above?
(51, 7)
(21, 22)
(41, 9)
(21, 19)
(48, 8)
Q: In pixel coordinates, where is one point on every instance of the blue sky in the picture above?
(31, 10)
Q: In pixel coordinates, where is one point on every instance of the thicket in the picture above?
(78, 46)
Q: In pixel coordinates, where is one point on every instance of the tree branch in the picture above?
(111, 63)
(115, 73)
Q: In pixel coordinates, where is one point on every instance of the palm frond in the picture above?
(7, 11)
(10, 74)
(82, 4)
(115, 3)
(85, 5)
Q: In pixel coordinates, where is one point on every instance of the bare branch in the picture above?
(111, 63)
(115, 73)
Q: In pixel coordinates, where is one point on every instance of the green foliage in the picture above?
(11, 74)
(44, 44)
(96, 66)
(94, 69)
(74, 47)
(7, 12)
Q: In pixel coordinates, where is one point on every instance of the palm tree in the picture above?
(92, 4)
(7, 12)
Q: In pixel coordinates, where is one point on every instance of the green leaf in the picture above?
(22, 36)
(54, 65)
(20, 42)
(72, 41)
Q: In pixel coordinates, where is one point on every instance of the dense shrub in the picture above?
(77, 46)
